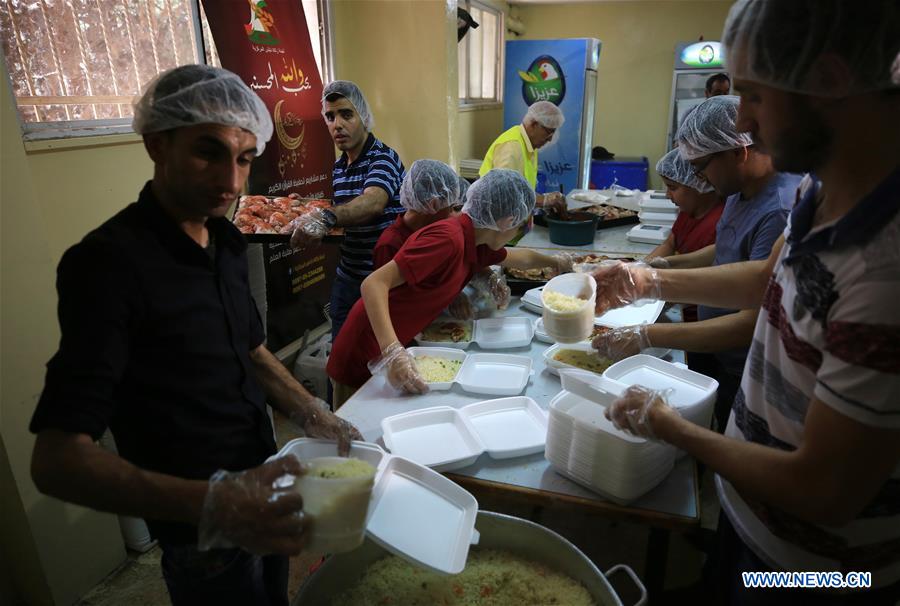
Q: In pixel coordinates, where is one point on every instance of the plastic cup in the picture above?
(576, 325)
(337, 506)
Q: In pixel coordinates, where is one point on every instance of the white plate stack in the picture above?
(585, 447)
(657, 215)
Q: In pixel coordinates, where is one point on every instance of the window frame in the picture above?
(35, 132)
(471, 103)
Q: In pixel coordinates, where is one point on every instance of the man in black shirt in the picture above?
(162, 343)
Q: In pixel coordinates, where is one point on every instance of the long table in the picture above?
(673, 504)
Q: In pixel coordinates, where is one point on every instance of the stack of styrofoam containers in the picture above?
(585, 447)
(309, 368)
(656, 209)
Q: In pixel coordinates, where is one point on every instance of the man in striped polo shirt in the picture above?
(809, 468)
(366, 180)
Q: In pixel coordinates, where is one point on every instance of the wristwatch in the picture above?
(330, 218)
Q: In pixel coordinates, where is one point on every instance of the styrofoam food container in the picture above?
(438, 437)
(494, 374)
(554, 366)
(576, 325)
(504, 333)
(445, 438)
(414, 512)
(540, 334)
(508, 427)
(337, 506)
(693, 394)
(646, 312)
(653, 204)
(452, 344)
(439, 352)
(663, 219)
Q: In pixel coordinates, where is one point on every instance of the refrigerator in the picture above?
(694, 63)
(563, 72)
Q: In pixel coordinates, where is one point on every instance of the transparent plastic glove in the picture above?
(463, 307)
(324, 424)
(620, 284)
(564, 262)
(659, 263)
(257, 510)
(400, 368)
(632, 411)
(309, 229)
(620, 343)
(499, 289)
(554, 202)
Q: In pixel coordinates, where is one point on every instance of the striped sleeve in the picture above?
(860, 371)
(386, 172)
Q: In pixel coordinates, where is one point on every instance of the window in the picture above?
(76, 65)
(481, 56)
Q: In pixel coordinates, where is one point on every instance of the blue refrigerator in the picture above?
(565, 73)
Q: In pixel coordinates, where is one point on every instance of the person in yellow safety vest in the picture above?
(517, 148)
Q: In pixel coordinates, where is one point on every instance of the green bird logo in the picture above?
(543, 81)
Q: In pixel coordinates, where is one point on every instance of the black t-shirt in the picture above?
(155, 345)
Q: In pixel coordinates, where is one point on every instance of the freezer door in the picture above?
(587, 129)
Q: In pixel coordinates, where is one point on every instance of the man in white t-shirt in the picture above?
(808, 471)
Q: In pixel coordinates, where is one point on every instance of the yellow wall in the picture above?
(477, 129)
(48, 201)
(634, 79)
(402, 54)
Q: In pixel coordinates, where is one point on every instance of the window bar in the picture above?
(19, 43)
(87, 76)
(152, 37)
(172, 31)
(53, 51)
(137, 72)
(112, 70)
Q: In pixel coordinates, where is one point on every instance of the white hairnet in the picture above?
(546, 114)
(782, 44)
(502, 194)
(201, 94)
(463, 189)
(429, 187)
(349, 91)
(672, 166)
(710, 128)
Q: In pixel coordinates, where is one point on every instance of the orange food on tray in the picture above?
(265, 215)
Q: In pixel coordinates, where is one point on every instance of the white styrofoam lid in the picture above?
(540, 334)
(589, 414)
(591, 386)
(313, 448)
(499, 374)
(508, 332)
(436, 436)
(422, 517)
(658, 205)
(630, 315)
(508, 427)
(650, 234)
(689, 387)
(661, 219)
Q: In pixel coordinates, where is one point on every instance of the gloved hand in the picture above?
(324, 424)
(463, 306)
(564, 262)
(620, 343)
(659, 263)
(620, 284)
(554, 202)
(637, 408)
(309, 229)
(499, 289)
(257, 510)
(400, 368)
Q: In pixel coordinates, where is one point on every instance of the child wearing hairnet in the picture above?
(404, 296)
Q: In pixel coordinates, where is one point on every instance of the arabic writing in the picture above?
(287, 184)
(291, 74)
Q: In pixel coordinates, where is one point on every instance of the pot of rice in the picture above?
(516, 562)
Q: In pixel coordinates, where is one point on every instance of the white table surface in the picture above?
(610, 240)
(674, 501)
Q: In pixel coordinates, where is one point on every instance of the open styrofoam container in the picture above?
(494, 374)
(447, 353)
(554, 366)
(692, 393)
(648, 234)
(445, 438)
(452, 344)
(482, 373)
(504, 333)
(414, 512)
(490, 333)
(630, 315)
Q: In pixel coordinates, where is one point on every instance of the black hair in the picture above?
(720, 77)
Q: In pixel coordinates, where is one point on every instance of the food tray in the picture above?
(489, 333)
(289, 208)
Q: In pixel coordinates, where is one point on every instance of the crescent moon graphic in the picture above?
(286, 140)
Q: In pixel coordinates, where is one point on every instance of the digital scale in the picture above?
(649, 234)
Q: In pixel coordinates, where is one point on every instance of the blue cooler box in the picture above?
(627, 172)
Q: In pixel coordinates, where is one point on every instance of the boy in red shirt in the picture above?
(404, 296)
(699, 205)
(429, 192)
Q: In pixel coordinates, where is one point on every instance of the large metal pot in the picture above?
(498, 531)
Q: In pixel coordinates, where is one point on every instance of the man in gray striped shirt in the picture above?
(366, 180)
